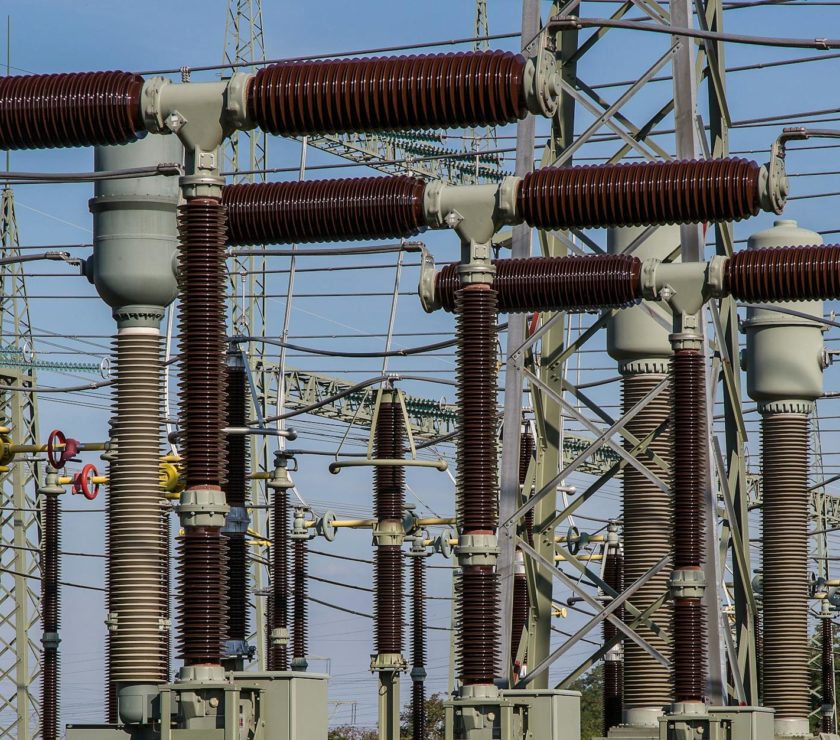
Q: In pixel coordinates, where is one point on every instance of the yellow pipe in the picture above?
(593, 538)
(561, 558)
(434, 522)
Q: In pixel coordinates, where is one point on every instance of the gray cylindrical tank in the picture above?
(635, 338)
(135, 231)
(784, 359)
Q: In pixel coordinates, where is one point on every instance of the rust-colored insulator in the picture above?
(418, 647)
(690, 666)
(613, 704)
(324, 210)
(388, 93)
(521, 610)
(300, 574)
(389, 481)
(166, 588)
(784, 561)
(201, 595)
(477, 383)
(638, 194)
(526, 452)
(388, 607)
(201, 225)
(235, 492)
(690, 469)
(788, 274)
(50, 615)
(478, 625)
(827, 647)
(78, 109)
(278, 655)
(555, 283)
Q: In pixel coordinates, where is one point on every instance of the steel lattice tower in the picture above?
(246, 152)
(20, 649)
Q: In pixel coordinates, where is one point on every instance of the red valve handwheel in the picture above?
(54, 456)
(83, 482)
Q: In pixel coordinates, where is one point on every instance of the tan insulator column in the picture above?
(784, 362)
(640, 345)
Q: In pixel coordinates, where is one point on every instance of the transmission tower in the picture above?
(245, 155)
(20, 654)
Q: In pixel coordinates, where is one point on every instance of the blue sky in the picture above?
(60, 36)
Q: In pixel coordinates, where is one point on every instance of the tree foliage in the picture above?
(591, 687)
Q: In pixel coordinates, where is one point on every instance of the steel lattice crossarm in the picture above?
(398, 153)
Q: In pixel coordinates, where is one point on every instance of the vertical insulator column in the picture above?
(784, 454)
(521, 598)
(613, 665)
(138, 548)
(50, 605)
(647, 514)
(278, 618)
(300, 576)
(236, 523)
(690, 470)
(201, 223)
(827, 648)
(478, 513)
(418, 641)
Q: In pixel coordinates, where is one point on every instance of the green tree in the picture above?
(435, 718)
(349, 732)
(591, 687)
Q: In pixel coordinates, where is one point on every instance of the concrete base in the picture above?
(515, 714)
(260, 706)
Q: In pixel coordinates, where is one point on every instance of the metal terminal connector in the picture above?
(280, 636)
(477, 549)
(688, 584)
(542, 87)
(387, 662)
(388, 532)
(203, 507)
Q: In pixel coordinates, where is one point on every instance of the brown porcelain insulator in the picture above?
(235, 492)
(689, 476)
(639, 194)
(325, 210)
(521, 610)
(50, 614)
(389, 481)
(166, 588)
(388, 583)
(827, 663)
(788, 274)
(526, 452)
(478, 625)
(690, 645)
(300, 575)
(138, 650)
(278, 655)
(418, 646)
(457, 90)
(477, 415)
(646, 517)
(613, 668)
(784, 457)
(201, 595)
(555, 283)
(202, 276)
(72, 110)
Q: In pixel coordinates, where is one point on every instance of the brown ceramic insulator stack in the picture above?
(166, 587)
(478, 513)
(235, 492)
(646, 516)
(613, 704)
(789, 274)
(300, 578)
(78, 109)
(202, 595)
(138, 548)
(555, 283)
(388, 93)
(689, 476)
(50, 615)
(521, 599)
(827, 647)
(389, 498)
(324, 210)
(201, 224)
(278, 655)
(418, 648)
(639, 194)
(784, 456)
